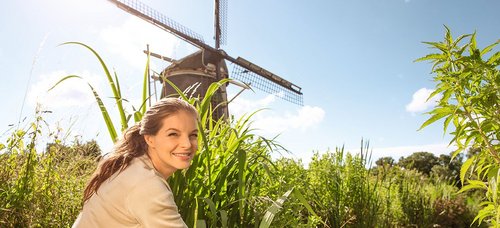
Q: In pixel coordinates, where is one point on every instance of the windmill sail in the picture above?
(154, 17)
(260, 78)
(220, 22)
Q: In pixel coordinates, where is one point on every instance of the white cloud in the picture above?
(419, 102)
(241, 106)
(130, 39)
(271, 122)
(70, 93)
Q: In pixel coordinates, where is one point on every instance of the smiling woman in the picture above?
(129, 187)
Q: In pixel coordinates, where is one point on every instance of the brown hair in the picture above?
(132, 144)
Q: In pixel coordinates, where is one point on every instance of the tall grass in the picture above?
(42, 188)
(343, 189)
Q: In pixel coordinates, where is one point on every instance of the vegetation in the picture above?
(43, 189)
(233, 182)
(468, 79)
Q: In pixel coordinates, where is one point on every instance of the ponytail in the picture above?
(132, 145)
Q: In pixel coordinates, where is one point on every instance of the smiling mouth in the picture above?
(182, 154)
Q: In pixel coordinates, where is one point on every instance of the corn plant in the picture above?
(219, 187)
(114, 85)
(468, 79)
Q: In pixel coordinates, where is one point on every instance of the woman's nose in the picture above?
(185, 142)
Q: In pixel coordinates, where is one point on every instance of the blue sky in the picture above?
(353, 60)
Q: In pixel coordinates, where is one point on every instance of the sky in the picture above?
(354, 61)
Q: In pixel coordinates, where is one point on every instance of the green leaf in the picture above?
(473, 184)
(489, 47)
(224, 218)
(145, 85)
(465, 167)
(494, 58)
(439, 113)
(483, 213)
(430, 57)
(273, 210)
(200, 223)
(212, 208)
(473, 43)
(105, 115)
(114, 86)
(63, 79)
(107, 119)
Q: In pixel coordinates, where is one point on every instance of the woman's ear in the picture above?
(149, 140)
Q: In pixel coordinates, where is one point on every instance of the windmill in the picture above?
(209, 63)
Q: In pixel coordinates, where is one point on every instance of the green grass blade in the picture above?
(273, 210)
(114, 86)
(63, 79)
(145, 86)
(105, 115)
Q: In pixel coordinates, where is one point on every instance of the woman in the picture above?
(129, 188)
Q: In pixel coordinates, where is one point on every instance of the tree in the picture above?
(420, 161)
(448, 168)
(385, 161)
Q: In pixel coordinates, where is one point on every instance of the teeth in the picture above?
(182, 154)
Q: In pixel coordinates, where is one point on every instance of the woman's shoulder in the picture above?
(139, 172)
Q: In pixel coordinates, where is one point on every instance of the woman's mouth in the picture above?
(182, 155)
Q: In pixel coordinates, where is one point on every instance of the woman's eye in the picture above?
(194, 135)
(172, 134)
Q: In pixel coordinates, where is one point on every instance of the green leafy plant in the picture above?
(468, 80)
(114, 84)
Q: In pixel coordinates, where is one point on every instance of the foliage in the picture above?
(420, 161)
(468, 81)
(385, 161)
(222, 183)
(290, 194)
(42, 188)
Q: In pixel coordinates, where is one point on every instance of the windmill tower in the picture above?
(208, 65)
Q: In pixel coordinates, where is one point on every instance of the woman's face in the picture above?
(175, 144)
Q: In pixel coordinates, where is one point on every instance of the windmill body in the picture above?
(194, 74)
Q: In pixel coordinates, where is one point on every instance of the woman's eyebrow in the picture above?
(172, 129)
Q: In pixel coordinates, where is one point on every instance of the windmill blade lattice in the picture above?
(149, 14)
(223, 21)
(254, 80)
